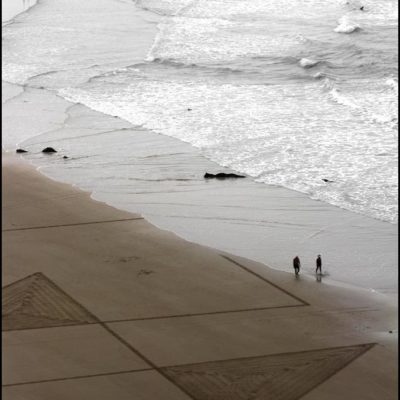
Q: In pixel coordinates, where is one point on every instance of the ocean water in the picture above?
(295, 94)
(290, 93)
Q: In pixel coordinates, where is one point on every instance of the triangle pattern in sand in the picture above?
(286, 376)
(37, 302)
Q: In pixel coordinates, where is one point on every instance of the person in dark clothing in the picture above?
(296, 265)
(319, 264)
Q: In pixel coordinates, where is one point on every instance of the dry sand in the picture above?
(99, 304)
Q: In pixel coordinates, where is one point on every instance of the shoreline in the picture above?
(26, 171)
(153, 309)
(162, 180)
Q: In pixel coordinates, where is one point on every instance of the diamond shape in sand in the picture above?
(275, 377)
(37, 302)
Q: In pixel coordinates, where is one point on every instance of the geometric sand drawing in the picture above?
(37, 302)
(286, 376)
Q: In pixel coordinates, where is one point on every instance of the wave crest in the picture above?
(346, 26)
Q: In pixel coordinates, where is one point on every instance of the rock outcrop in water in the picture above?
(49, 150)
(20, 151)
(222, 175)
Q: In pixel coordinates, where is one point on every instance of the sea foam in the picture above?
(346, 26)
(308, 62)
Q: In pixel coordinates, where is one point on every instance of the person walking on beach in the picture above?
(296, 265)
(319, 264)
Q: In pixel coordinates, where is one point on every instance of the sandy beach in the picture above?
(98, 303)
(188, 293)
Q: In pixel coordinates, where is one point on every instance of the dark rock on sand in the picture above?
(20, 151)
(49, 150)
(65, 157)
(222, 175)
(327, 180)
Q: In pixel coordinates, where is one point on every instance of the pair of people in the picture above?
(296, 265)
